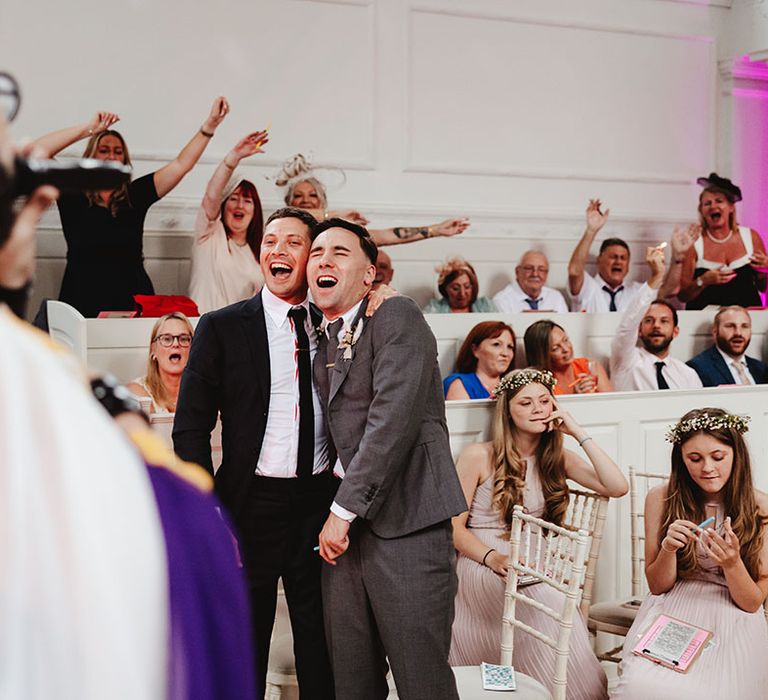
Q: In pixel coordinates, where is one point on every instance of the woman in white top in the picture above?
(225, 254)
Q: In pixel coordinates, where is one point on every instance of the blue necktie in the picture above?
(533, 303)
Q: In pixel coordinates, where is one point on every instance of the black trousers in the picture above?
(278, 529)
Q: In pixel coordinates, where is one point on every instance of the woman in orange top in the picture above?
(547, 346)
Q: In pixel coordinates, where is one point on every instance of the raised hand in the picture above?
(250, 145)
(563, 421)
(679, 533)
(101, 121)
(219, 110)
(595, 217)
(450, 227)
(724, 550)
(682, 239)
(654, 256)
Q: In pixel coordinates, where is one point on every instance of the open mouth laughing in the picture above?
(327, 281)
(280, 270)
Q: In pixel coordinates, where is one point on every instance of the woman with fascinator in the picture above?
(228, 229)
(458, 287)
(305, 191)
(523, 463)
(726, 264)
(715, 577)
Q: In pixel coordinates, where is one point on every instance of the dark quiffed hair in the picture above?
(466, 361)
(256, 228)
(662, 302)
(608, 242)
(366, 242)
(294, 213)
(536, 341)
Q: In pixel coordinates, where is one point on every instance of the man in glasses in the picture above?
(527, 292)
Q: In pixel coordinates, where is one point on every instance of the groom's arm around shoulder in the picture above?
(406, 406)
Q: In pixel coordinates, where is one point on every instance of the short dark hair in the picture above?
(662, 302)
(608, 242)
(366, 242)
(295, 213)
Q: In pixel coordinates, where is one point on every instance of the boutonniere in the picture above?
(350, 337)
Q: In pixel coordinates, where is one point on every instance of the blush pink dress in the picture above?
(480, 602)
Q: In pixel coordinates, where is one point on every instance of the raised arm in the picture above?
(576, 265)
(172, 174)
(245, 147)
(410, 234)
(51, 144)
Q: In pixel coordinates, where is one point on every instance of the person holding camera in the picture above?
(104, 230)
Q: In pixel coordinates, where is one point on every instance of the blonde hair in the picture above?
(733, 224)
(153, 381)
(119, 198)
(509, 466)
(319, 188)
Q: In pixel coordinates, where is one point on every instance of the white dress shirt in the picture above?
(512, 298)
(730, 363)
(593, 298)
(338, 467)
(280, 448)
(633, 368)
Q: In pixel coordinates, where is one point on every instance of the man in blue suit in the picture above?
(726, 361)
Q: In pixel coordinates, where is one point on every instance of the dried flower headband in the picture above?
(707, 421)
(519, 378)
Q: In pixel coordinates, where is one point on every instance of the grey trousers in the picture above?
(392, 599)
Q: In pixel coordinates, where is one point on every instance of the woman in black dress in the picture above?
(104, 230)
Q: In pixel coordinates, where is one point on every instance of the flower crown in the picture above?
(520, 377)
(707, 421)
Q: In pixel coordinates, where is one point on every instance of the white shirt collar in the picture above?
(729, 358)
(599, 279)
(277, 308)
(347, 317)
(521, 292)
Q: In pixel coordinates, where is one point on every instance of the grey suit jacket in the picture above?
(385, 413)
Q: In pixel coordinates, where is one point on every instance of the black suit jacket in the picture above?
(713, 371)
(227, 373)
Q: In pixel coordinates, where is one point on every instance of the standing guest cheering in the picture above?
(389, 579)
(225, 254)
(727, 263)
(105, 230)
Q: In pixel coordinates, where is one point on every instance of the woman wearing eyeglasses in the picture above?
(168, 355)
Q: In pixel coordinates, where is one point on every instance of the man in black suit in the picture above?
(726, 362)
(251, 362)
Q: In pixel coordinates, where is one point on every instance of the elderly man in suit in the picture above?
(726, 361)
(389, 582)
(251, 362)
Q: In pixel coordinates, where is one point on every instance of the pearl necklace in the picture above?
(720, 240)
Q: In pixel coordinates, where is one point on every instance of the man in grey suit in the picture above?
(389, 581)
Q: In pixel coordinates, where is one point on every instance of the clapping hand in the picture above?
(101, 121)
(724, 550)
(595, 218)
(450, 227)
(683, 239)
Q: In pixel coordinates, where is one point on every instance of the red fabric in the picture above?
(156, 305)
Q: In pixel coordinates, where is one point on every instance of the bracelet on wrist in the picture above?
(583, 440)
(668, 551)
(207, 134)
(486, 556)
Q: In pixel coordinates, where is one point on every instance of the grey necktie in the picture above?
(333, 340)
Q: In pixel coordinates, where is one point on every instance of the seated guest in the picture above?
(726, 265)
(486, 355)
(384, 270)
(457, 284)
(527, 292)
(225, 254)
(654, 322)
(608, 290)
(168, 355)
(548, 347)
(726, 361)
(305, 191)
(715, 578)
(523, 463)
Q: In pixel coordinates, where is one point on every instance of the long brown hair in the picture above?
(255, 230)
(509, 466)
(466, 361)
(685, 500)
(152, 380)
(536, 341)
(119, 198)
